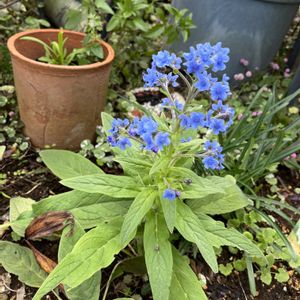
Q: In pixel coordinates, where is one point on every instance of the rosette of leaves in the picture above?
(157, 195)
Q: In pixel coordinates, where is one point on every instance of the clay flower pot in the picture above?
(59, 105)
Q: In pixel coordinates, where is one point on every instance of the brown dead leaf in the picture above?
(48, 223)
(46, 263)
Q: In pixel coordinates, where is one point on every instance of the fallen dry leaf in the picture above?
(45, 262)
(45, 225)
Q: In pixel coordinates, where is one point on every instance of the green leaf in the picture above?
(93, 215)
(19, 205)
(20, 261)
(158, 255)
(114, 22)
(282, 275)
(110, 185)
(266, 276)
(104, 6)
(106, 122)
(67, 164)
(89, 289)
(140, 24)
(169, 210)
(20, 214)
(199, 188)
(226, 269)
(160, 164)
(232, 199)
(137, 210)
(191, 229)
(74, 18)
(218, 235)
(185, 284)
(70, 200)
(94, 251)
(134, 166)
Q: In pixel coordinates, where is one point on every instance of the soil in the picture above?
(27, 177)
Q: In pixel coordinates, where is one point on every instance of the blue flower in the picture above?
(185, 121)
(166, 59)
(217, 125)
(197, 119)
(212, 146)
(179, 105)
(146, 126)
(148, 139)
(203, 82)
(166, 102)
(112, 141)
(162, 139)
(210, 162)
(219, 91)
(183, 140)
(169, 194)
(123, 143)
(220, 58)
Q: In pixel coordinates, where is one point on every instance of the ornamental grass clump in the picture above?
(158, 194)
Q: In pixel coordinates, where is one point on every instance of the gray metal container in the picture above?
(252, 29)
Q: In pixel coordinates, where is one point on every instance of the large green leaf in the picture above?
(67, 164)
(199, 186)
(185, 284)
(219, 235)
(20, 261)
(232, 199)
(89, 289)
(70, 200)
(110, 185)
(94, 250)
(93, 215)
(158, 255)
(134, 166)
(137, 210)
(192, 230)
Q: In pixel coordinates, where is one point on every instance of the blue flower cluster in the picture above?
(197, 62)
(144, 130)
(214, 157)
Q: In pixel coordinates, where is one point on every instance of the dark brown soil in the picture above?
(27, 177)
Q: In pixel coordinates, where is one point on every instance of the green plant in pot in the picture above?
(157, 196)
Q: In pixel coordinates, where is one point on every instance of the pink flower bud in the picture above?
(285, 60)
(274, 66)
(244, 62)
(294, 155)
(11, 114)
(239, 76)
(248, 74)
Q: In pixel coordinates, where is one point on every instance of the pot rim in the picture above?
(14, 52)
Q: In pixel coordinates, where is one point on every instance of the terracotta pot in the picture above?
(59, 105)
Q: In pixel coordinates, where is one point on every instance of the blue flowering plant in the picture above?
(158, 193)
